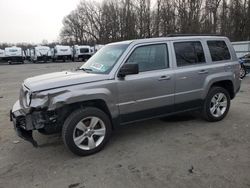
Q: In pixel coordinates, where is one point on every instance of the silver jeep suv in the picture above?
(126, 82)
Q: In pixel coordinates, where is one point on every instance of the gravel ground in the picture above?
(155, 153)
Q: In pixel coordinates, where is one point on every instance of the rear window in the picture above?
(218, 50)
(189, 53)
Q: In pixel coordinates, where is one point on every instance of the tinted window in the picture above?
(84, 50)
(218, 50)
(189, 53)
(13, 50)
(152, 57)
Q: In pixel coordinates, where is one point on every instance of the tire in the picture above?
(78, 127)
(216, 109)
(242, 71)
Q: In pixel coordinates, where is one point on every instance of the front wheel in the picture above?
(217, 104)
(86, 131)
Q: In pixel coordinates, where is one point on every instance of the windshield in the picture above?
(104, 60)
(13, 50)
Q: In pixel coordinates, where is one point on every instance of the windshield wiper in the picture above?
(85, 69)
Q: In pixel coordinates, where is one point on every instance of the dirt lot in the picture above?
(155, 153)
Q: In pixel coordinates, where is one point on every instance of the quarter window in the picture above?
(189, 53)
(151, 57)
(218, 50)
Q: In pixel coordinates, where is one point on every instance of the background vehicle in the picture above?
(241, 48)
(60, 52)
(98, 47)
(40, 54)
(126, 82)
(243, 69)
(2, 55)
(246, 59)
(14, 54)
(82, 52)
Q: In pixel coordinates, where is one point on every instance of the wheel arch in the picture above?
(66, 110)
(226, 84)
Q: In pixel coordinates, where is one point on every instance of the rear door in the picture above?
(191, 72)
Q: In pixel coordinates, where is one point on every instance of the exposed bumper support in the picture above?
(20, 121)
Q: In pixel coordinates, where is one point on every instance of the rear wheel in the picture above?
(242, 71)
(86, 131)
(217, 104)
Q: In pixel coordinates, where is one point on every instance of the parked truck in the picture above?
(40, 54)
(60, 52)
(82, 52)
(14, 54)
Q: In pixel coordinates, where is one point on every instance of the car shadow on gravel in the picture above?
(156, 126)
(180, 117)
(152, 126)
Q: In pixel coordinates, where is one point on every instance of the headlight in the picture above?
(28, 98)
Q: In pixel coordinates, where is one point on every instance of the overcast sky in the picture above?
(33, 20)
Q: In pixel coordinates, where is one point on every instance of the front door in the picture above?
(151, 92)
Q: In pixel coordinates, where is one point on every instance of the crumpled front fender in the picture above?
(52, 101)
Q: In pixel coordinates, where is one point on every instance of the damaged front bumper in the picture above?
(26, 121)
(22, 123)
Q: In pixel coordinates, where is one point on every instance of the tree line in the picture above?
(115, 20)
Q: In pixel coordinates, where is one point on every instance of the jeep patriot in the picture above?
(129, 81)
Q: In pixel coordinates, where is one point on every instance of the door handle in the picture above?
(164, 78)
(203, 72)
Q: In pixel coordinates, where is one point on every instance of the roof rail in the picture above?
(189, 35)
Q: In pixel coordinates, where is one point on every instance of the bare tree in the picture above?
(114, 20)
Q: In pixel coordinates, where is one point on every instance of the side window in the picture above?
(151, 57)
(189, 53)
(218, 50)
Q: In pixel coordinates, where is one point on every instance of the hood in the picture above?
(61, 79)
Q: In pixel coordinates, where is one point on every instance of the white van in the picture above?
(60, 52)
(40, 54)
(82, 52)
(2, 55)
(14, 54)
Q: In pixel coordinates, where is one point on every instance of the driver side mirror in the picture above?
(128, 69)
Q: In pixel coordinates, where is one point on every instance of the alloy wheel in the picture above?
(218, 105)
(89, 133)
